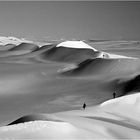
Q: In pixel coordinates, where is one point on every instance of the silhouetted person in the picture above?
(114, 95)
(84, 105)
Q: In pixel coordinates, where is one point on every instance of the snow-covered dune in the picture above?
(36, 117)
(6, 47)
(17, 50)
(75, 44)
(25, 46)
(13, 40)
(105, 67)
(114, 119)
(69, 51)
(83, 45)
(75, 52)
(49, 80)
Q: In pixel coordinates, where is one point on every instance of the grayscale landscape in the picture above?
(45, 81)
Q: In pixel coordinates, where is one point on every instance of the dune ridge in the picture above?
(25, 46)
(35, 117)
(105, 67)
(61, 76)
(75, 44)
(64, 52)
(76, 52)
(13, 40)
(107, 121)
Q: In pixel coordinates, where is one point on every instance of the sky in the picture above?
(71, 20)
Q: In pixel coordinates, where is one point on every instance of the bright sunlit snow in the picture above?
(75, 44)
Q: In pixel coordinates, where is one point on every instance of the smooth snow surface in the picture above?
(45, 129)
(112, 56)
(75, 44)
(114, 119)
(115, 56)
(132, 99)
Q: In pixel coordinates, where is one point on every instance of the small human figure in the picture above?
(103, 55)
(114, 95)
(84, 106)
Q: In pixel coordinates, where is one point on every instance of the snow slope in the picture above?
(76, 52)
(105, 67)
(12, 40)
(83, 45)
(75, 44)
(114, 119)
(41, 89)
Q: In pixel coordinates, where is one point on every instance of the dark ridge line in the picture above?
(116, 122)
(30, 118)
(27, 46)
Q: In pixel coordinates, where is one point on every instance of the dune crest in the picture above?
(75, 52)
(105, 67)
(25, 46)
(132, 99)
(112, 119)
(75, 44)
(13, 40)
(83, 45)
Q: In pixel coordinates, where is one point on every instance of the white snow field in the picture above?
(83, 45)
(114, 119)
(43, 89)
(75, 44)
(12, 40)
